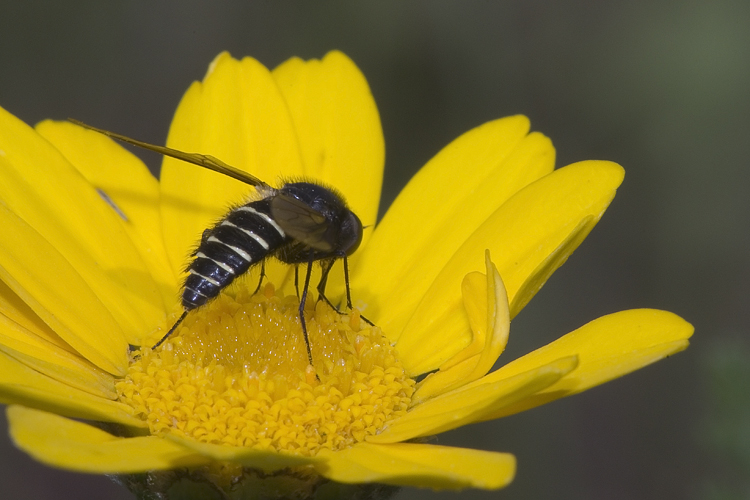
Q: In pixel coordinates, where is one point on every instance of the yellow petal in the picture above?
(16, 311)
(468, 405)
(445, 202)
(54, 362)
(557, 257)
(486, 304)
(19, 384)
(41, 187)
(421, 465)
(128, 184)
(45, 280)
(265, 460)
(608, 347)
(522, 234)
(24, 336)
(338, 127)
(238, 115)
(66, 444)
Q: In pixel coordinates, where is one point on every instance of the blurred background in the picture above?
(659, 87)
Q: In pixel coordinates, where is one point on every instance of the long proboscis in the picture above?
(205, 161)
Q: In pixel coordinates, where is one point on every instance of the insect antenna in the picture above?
(206, 161)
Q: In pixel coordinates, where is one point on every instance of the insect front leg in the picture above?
(327, 265)
(326, 269)
(349, 292)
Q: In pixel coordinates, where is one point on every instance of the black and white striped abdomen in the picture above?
(227, 250)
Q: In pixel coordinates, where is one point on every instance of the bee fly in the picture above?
(301, 222)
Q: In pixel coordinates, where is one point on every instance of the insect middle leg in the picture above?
(302, 301)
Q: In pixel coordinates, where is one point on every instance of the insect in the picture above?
(298, 223)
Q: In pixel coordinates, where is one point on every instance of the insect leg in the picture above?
(296, 280)
(346, 280)
(326, 268)
(302, 307)
(327, 265)
(349, 291)
(262, 275)
(324, 280)
(174, 327)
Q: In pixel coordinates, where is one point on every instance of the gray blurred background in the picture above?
(660, 87)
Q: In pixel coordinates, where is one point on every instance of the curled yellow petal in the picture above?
(486, 304)
(427, 466)
(67, 444)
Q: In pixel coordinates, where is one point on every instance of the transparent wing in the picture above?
(205, 161)
(300, 221)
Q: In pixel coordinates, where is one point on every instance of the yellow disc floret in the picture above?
(237, 373)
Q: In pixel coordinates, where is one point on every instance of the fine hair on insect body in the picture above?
(298, 223)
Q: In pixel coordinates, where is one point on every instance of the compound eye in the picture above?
(351, 233)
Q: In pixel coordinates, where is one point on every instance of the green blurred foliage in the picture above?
(725, 431)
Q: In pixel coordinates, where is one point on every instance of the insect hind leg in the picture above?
(171, 330)
(262, 275)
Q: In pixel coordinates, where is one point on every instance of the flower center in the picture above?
(236, 372)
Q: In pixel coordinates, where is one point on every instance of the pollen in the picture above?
(236, 373)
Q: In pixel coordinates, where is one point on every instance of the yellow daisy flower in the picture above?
(92, 256)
